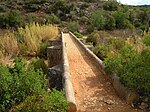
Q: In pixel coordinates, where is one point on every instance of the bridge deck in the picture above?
(93, 91)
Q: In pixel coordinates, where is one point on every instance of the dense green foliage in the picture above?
(74, 26)
(111, 5)
(132, 68)
(53, 102)
(26, 85)
(146, 41)
(11, 19)
(97, 19)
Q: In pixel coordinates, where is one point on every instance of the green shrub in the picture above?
(101, 51)
(90, 28)
(146, 41)
(97, 19)
(63, 7)
(47, 102)
(110, 22)
(109, 47)
(53, 19)
(43, 50)
(19, 82)
(98, 37)
(11, 19)
(78, 35)
(92, 39)
(116, 44)
(73, 26)
(121, 19)
(132, 68)
(2, 8)
(39, 64)
(24, 88)
(111, 5)
(84, 20)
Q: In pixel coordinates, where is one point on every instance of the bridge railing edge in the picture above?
(67, 82)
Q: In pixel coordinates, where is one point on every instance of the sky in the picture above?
(135, 2)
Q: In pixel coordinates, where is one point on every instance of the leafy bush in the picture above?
(101, 51)
(62, 8)
(43, 50)
(84, 20)
(132, 68)
(110, 22)
(53, 102)
(2, 8)
(92, 39)
(98, 37)
(97, 19)
(39, 64)
(53, 19)
(11, 19)
(19, 82)
(111, 5)
(24, 88)
(73, 26)
(146, 41)
(122, 21)
(78, 35)
(109, 47)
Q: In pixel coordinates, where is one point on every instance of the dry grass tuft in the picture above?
(6, 59)
(34, 34)
(26, 41)
(9, 43)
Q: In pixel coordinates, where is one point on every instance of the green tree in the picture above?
(110, 22)
(97, 19)
(122, 21)
(111, 5)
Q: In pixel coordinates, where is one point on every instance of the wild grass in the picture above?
(34, 34)
(5, 59)
(136, 42)
(9, 43)
(25, 41)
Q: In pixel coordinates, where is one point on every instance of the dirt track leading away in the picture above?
(93, 91)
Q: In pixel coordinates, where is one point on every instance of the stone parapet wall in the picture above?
(69, 91)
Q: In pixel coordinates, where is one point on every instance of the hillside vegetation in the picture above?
(88, 14)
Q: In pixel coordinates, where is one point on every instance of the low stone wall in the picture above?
(122, 91)
(67, 83)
